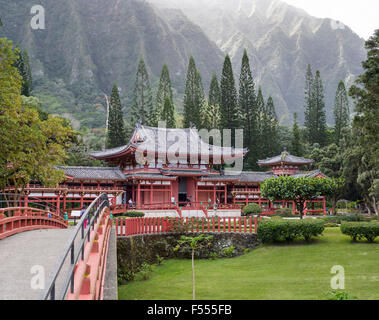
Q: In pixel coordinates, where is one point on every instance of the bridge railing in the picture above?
(154, 225)
(82, 263)
(15, 220)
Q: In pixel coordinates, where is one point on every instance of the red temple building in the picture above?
(163, 176)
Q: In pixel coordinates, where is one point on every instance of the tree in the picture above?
(211, 116)
(315, 110)
(164, 91)
(30, 147)
(143, 99)
(341, 111)
(299, 190)
(24, 69)
(116, 135)
(247, 105)
(366, 123)
(261, 127)
(194, 99)
(271, 124)
(296, 147)
(194, 243)
(168, 113)
(308, 107)
(230, 118)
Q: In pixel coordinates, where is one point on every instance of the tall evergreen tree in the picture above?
(116, 130)
(366, 124)
(272, 125)
(164, 91)
(211, 116)
(230, 118)
(315, 119)
(261, 120)
(194, 99)
(308, 103)
(168, 113)
(142, 100)
(248, 110)
(341, 111)
(296, 147)
(23, 66)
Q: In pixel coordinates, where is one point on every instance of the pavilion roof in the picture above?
(308, 174)
(285, 158)
(94, 173)
(164, 140)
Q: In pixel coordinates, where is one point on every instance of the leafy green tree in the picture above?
(194, 99)
(248, 110)
(296, 146)
(194, 243)
(366, 123)
(30, 147)
(308, 103)
(142, 98)
(261, 128)
(299, 190)
(168, 113)
(164, 91)
(341, 111)
(230, 118)
(116, 136)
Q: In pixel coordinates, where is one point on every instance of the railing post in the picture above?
(255, 223)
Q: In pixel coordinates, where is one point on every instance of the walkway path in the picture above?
(19, 253)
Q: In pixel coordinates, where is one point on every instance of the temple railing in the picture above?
(80, 272)
(156, 225)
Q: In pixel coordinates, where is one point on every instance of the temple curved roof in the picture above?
(285, 158)
(169, 141)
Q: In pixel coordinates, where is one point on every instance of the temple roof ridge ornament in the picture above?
(285, 158)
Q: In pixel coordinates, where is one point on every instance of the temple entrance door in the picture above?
(182, 189)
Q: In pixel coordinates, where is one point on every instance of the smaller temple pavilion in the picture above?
(164, 169)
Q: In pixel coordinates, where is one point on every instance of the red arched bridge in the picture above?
(54, 260)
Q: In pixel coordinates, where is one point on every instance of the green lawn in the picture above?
(296, 271)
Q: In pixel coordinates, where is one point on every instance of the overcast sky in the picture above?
(362, 16)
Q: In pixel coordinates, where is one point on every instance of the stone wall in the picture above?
(133, 251)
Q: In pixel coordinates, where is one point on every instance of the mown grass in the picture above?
(280, 271)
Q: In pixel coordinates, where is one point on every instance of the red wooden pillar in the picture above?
(138, 194)
(151, 192)
(58, 203)
(225, 194)
(64, 203)
(214, 193)
(324, 205)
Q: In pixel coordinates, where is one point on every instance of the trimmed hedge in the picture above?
(284, 212)
(132, 214)
(359, 230)
(340, 219)
(251, 209)
(275, 230)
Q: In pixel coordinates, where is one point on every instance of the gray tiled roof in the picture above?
(149, 176)
(252, 176)
(310, 174)
(94, 173)
(286, 158)
(163, 139)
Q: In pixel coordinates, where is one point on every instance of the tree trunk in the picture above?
(334, 203)
(375, 206)
(193, 273)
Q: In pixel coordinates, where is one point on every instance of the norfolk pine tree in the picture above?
(116, 136)
(341, 111)
(142, 99)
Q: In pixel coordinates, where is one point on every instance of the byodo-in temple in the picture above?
(164, 184)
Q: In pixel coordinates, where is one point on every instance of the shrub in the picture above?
(228, 252)
(252, 209)
(144, 273)
(288, 230)
(284, 212)
(132, 214)
(359, 230)
(340, 219)
(339, 295)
